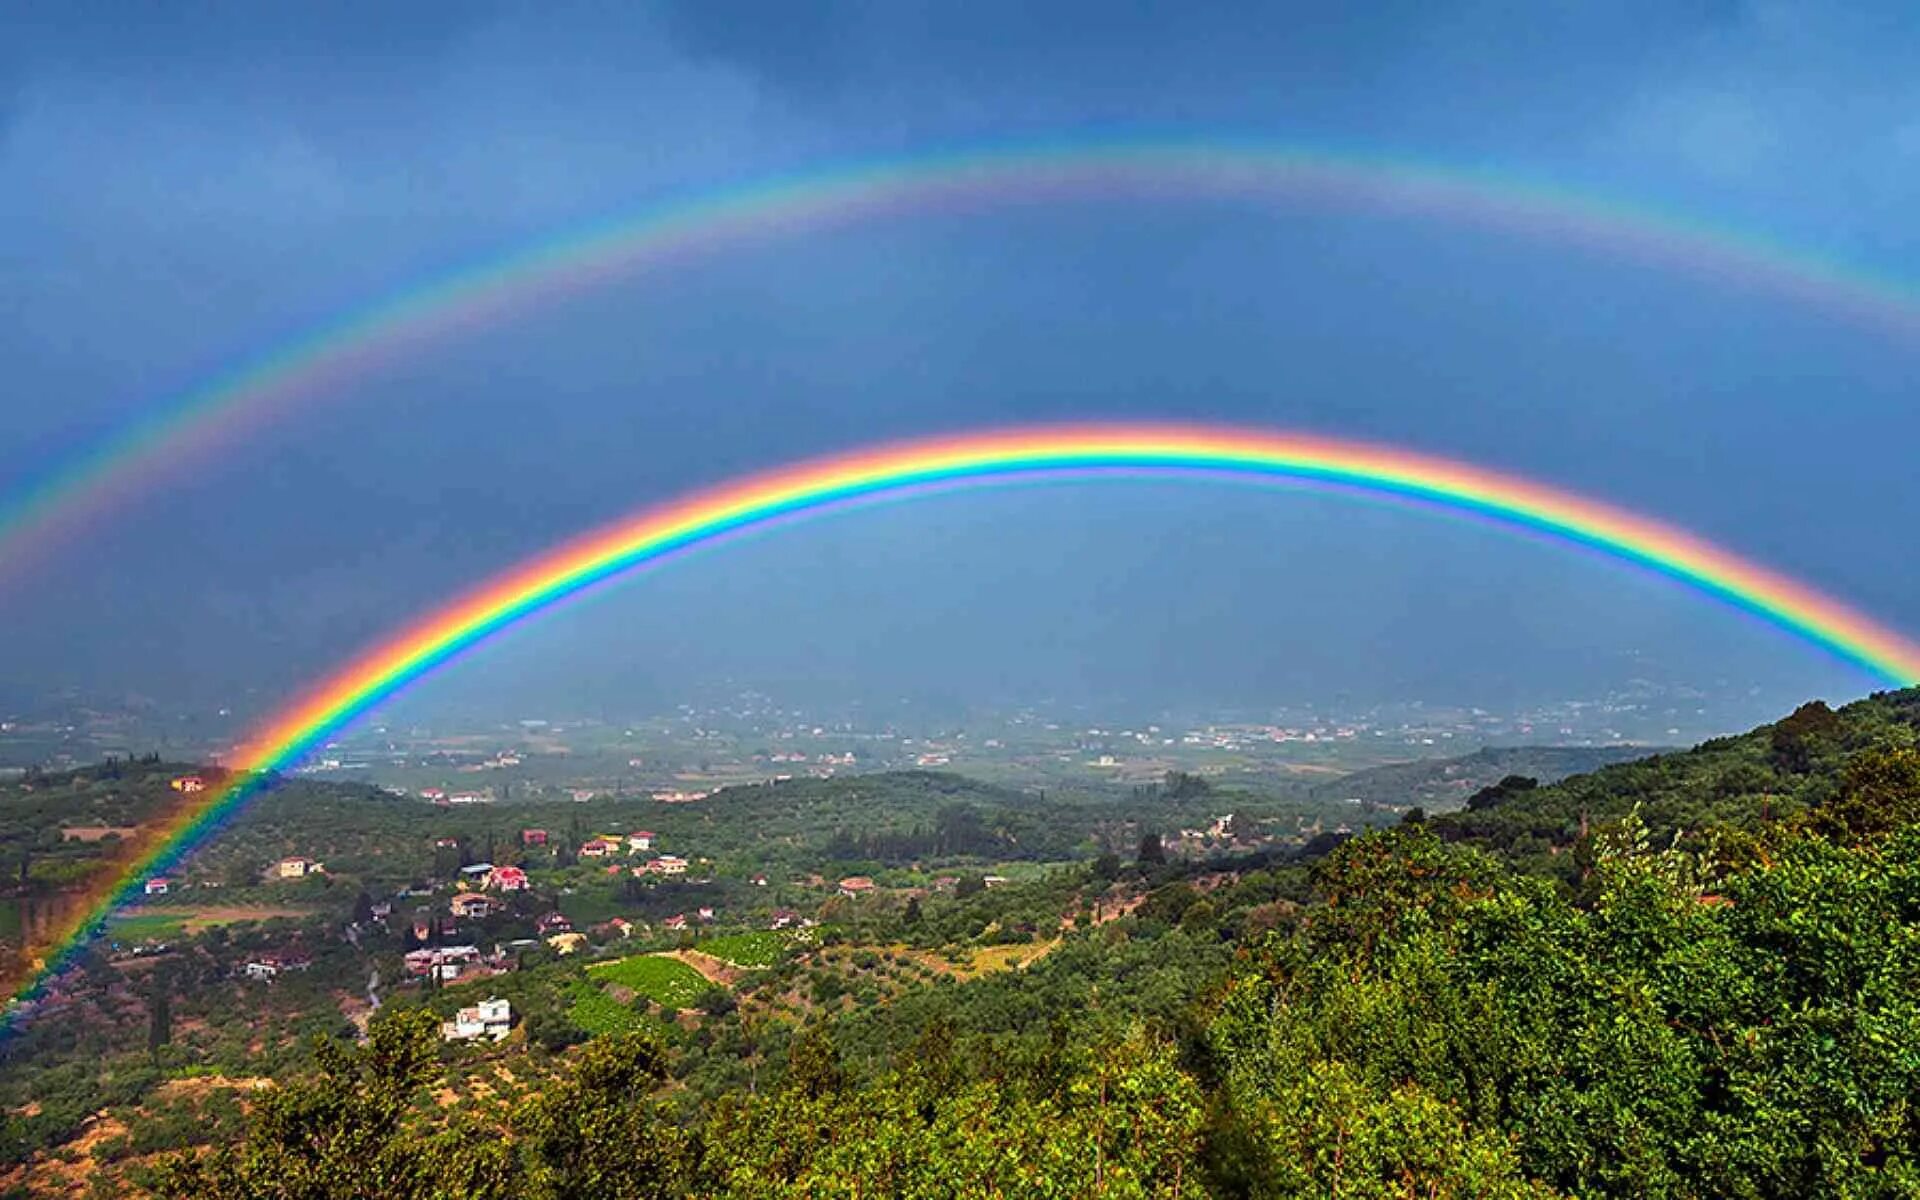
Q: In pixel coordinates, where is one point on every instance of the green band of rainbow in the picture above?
(326, 360)
(1003, 455)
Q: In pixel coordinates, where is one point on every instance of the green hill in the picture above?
(1443, 784)
(1694, 974)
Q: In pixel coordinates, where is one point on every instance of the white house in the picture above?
(158, 885)
(642, 840)
(487, 1019)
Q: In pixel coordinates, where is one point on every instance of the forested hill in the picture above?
(1695, 975)
(1775, 772)
(1442, 784)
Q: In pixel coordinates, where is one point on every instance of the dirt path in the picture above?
(716, 970)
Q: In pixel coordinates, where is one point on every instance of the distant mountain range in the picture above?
(1443, 784)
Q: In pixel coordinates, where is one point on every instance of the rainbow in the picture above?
(872, 475)
(190, 427)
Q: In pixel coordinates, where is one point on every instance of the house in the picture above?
(446, 843)
(188, 784)
(992, 880)
(759, 881)
(158, 885)
(667, 864)
(381, 910)
(475, 875)
(705, 912)
(267, 966)
(296, 868)
(434, 794)
(551, 923)
(643, 840)
(533, 837)
(445, 963)
(471, 905)
(782, 918)
(508, 879)
(491, 1019)
(567, 943)
(599, 847)
(618, 927)
(856, 885)
(677, 921)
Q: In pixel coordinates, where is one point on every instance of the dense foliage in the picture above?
(1696, 975)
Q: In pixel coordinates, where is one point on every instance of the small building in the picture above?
(269, 966)
(159, 885)
(491, 1019)
(188, 784)
(296, 868)
(380, 910)
(759, 881)
(475, 874)
(783, 918)
(471, 905)
(641, 840)
(992, 880)
(533, 837)
(567, 943)
(551, 923)
(446, 843)
(667, 864)
(856, 885)
(704, 912)
(618, 927)
(599, 847)
(508, 879)
(444, 963)
(676, 922)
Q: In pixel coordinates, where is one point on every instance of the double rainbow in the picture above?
(325, 361)
(873, 475)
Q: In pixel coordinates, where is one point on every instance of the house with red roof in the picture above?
(508, 879)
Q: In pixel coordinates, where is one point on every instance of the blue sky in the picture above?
(185, 188)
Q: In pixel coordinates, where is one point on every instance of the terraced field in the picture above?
(667, 982)
(750, 950)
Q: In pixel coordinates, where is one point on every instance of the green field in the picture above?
(667, 982)
(754, 950)
(598, 1013)
(140, 927)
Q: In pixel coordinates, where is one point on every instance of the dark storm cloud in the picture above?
(189, 184)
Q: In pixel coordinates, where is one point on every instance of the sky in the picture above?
(182, 187)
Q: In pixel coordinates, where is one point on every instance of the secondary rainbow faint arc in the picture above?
(1001, 455)
(219, 410)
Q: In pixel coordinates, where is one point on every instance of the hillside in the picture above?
(1443, 784)
(1688, 975)
(1770, 773)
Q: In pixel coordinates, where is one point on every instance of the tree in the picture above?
(1152, 853)
(1512, 785)
(159, 1013)
(1106, 868)
(599, 1134)
(813, 1065)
